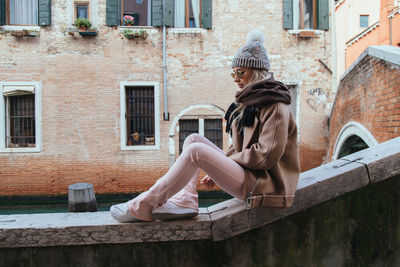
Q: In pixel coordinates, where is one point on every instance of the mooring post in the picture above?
(81, 198)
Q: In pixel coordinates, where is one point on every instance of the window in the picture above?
(20, 121)
(364, 21)
(25, 12)
(139, 116)
(20, 117)
(178, 13)
(186, 128)
(187, 14)
(294, 90)
(209, 128)
(306, 14)
(139, 10)
(81, 10)
(293, 96)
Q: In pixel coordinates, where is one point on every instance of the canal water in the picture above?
(43, 204)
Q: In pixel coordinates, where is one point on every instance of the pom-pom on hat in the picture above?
(253, 54)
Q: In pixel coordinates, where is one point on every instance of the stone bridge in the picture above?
(345, 213)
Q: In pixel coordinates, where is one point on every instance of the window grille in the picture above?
(140, 115)
(20, 118)
(213, 131)
(186, 127)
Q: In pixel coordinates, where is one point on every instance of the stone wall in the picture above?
(80, 83)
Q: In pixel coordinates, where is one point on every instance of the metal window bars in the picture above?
(186, 128)
(212, 130)
(140, 115)
(20, 121)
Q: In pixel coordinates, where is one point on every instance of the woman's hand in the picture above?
(207, 181)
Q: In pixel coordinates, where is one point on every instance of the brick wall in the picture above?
(369, 94)
(80, 80)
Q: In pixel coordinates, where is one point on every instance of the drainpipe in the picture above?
(390, 29)
(166, 114)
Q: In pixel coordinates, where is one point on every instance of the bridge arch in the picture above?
(352, 137)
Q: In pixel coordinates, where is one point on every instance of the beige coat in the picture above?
(268, 151)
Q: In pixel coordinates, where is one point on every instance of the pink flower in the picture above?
(129, 19)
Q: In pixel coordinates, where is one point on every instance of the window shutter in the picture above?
(323, 14)
(156, 13)
(113, 13)
(44, 12)
(3, 12)
(288, 14)
(169, 13)
(206, 14)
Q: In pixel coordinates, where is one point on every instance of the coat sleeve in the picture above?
(264, 154)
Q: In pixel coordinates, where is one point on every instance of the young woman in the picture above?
(261, 165)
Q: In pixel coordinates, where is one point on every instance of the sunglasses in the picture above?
(238, 74)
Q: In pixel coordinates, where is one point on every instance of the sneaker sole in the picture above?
(173, 216)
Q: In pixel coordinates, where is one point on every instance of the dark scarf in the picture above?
(261, 93)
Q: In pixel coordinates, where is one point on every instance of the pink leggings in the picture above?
(179, 184)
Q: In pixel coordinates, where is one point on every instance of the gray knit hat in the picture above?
(253, 54)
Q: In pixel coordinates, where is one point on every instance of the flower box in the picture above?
(88, 33)
(131, 34)
(24, 33)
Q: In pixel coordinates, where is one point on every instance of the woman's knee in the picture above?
(198, 151)
(192, 138)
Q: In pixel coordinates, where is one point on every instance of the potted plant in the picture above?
(129, 20)
(83, 24)
(143, 34)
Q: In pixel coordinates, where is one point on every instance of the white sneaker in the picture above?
(171, 211)
(121, 213)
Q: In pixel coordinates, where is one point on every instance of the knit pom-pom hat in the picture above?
(253, 54)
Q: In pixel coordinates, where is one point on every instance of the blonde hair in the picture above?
(258, 75)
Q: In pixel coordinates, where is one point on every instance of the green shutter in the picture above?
(113, 13)
(3, 12)
(323, 14)
(169, 13)
(206, 14)
(44, 9)
(156, 13)
(288, 14)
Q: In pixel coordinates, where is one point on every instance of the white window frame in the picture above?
(124, 137)
(38, 118)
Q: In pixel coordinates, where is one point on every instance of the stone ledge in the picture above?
(60, 229)
(315, 186)
(218, 222)
(382, 161)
